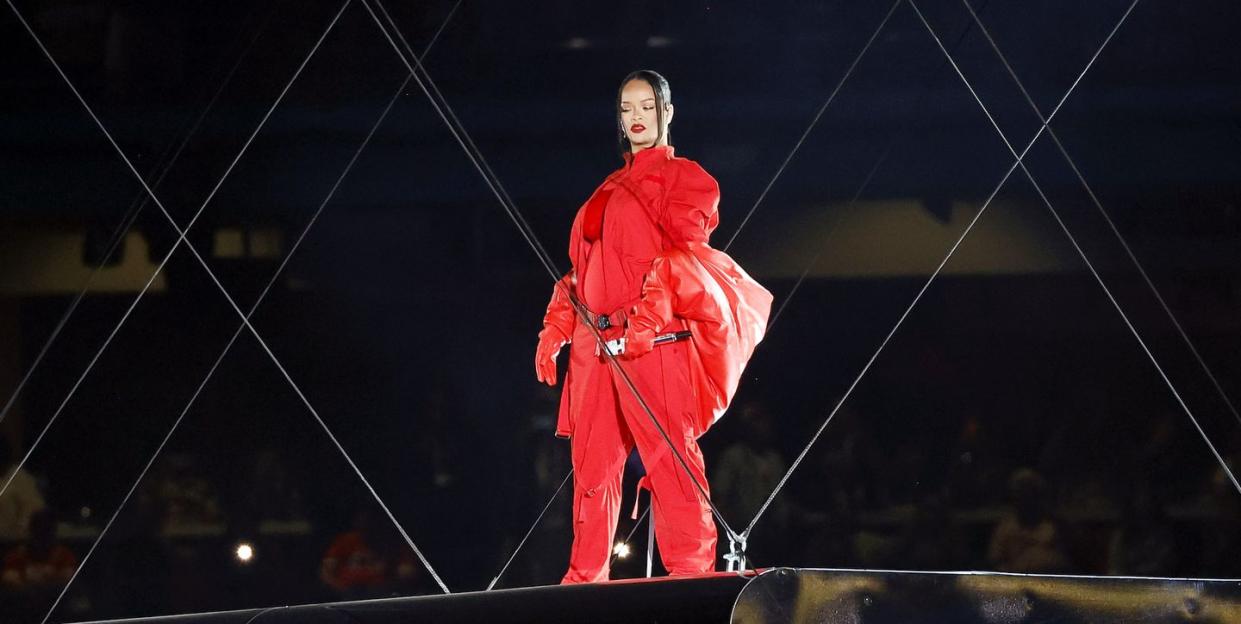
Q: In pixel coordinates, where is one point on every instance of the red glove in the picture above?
(551, 340)
(557, 328)
(653, 313)
(638, 342)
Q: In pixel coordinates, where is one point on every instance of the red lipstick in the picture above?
(637, 128)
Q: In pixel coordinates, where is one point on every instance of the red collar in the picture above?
(650, 154)
(642, 160)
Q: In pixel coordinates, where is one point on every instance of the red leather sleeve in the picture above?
(560, 313)
(655, 310)
(725, 310)
(691, 207)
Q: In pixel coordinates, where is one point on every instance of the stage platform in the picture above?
(788, 595)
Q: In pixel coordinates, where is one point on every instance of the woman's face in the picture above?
(638, 115)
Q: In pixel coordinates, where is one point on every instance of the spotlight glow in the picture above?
(621, 550)
(244, 552)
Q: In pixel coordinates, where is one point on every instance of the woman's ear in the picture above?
(669, 108)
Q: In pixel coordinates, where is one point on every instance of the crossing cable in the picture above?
(1089, 265)
(227, 347)
(515, 215)
(968, 228)
(646, 512)
(1098, 278)
(813, 122)
(510, 208)
(180, 232)
(496, 579)
(160, 170)
(831, 232)
(771, 324)
(236, 334)
(458, 130)
(181, 238)
(1051, 132)
(831, 228)
(254, 618)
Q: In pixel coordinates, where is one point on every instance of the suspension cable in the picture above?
(814, 121)
(458, 133)
(1089, 265)
(465, 136)
(646, 512)
(90, 111)
(535, 524)
(969, 227)
(831, 233)
(831, 228)
(164, 261)
(1108, 218)
(514, 214)
(160, 170)
(182, 238)
(227, 347)
(793, 291)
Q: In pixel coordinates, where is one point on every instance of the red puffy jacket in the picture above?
(651, 259)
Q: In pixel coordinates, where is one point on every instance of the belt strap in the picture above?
(615, 318)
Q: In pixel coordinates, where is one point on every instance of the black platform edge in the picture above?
(708, 598)
(788, 595)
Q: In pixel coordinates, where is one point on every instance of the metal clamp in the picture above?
(602, 322)
(734, 561)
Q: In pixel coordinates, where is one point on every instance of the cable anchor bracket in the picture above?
(735, 561)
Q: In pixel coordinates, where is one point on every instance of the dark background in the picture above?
(408, 316)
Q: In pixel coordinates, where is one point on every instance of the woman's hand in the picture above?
(551, 340)
(638, 342)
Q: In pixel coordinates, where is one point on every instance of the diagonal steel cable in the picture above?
(789, 297)
(215, 366)
(1051, 132)
(181, 239)
(831, 229)
(514, 214)
(813, 122)
(857, 194)
(1089, 265)
(467, 145)
(831, 232)
(476, 157)
(465, 136)
(646, 513)
(160, 170)
(236, 334)
(535, 524)
(968, 228)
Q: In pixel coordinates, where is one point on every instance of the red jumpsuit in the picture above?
(639, 253)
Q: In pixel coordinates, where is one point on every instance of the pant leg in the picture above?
(600, 445)
(684, 527)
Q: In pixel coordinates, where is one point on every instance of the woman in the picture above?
(642, 268)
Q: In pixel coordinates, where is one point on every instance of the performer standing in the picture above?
(642, 268)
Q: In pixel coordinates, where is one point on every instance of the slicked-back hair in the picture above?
(663, 98)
